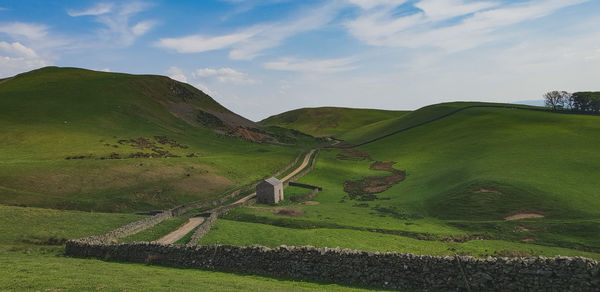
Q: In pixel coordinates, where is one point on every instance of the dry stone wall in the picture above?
(129, 229)
(373, 269)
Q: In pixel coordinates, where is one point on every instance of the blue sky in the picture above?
(263, 57)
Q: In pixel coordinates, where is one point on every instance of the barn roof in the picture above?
(273, 181)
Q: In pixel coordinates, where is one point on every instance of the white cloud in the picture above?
(105, 70)
(176, 74)
(248, 43)
(98, 9)
(224, 75)
(312, 66)
(20, 30)
(142, 27)
(443, 9)
(370, 4)
(116, 19)
(17, 49)
(16, 58)
(198, 44)
(478, 23)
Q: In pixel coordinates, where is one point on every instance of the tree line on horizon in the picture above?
(581, 102)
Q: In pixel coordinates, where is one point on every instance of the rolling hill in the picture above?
(481, 181)
(329, 121)
(87, 140)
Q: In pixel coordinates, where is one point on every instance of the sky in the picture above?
(263, 57)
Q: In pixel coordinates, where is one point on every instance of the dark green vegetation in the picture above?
(329, 121)
(31, 251)
(86, 140)
(465, 174)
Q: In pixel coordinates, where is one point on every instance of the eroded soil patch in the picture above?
(523, 215)
(487, 190)
(365, 188)
(353, 154)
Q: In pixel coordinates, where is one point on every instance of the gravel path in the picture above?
(181, 231)
(296, 171)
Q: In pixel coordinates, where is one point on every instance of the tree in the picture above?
(555, 99)
(581, 101)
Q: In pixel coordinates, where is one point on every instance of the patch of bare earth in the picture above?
(353, 154)
(523, 215)
(487, 190)
(250, 134)
(289, 212)
(527, 239)
(365, 188)
(309, 203)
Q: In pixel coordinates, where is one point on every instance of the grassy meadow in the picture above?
(464, 175)
(32, 246)
(62, 127)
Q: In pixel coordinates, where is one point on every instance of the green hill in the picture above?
(329, 121)
(80, 139)
(465, 175)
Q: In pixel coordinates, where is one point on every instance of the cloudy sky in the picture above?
(262, 57)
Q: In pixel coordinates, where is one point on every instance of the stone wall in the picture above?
(182, 209)
(313, 193)
(128, 229)
(372, 269)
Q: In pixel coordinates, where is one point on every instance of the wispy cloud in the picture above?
(29, 31)
(117, 20)
(248, 43)
(474, 22)
(98, 9)
(312, 66)
(224, 75)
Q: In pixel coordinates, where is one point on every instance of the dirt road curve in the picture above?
(181, 231)
(296, 171)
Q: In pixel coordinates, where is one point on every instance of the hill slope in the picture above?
(329, 121)
(81, 139)
(465, 175)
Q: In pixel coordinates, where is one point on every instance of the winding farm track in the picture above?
(195, 221)
(181, 231)
(456, 111)
(290, 175)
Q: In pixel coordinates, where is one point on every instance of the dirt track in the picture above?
(181, 231)
(195, 221)
(296, 171)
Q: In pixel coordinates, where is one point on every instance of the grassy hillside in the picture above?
(80, 139)
(329, 121)
(465, 174)
(31, 250)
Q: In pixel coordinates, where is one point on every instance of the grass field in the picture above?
(61, 127)
(329, 121)
(31, 252)
(465, 174)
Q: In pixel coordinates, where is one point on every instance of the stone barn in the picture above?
(269, 191)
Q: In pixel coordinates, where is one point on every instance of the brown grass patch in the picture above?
(527, 239)
(201, 183)
(289, 212)
(523, 215)
(309, 203)
(364, 189)
(487, 190)
(353, 154)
